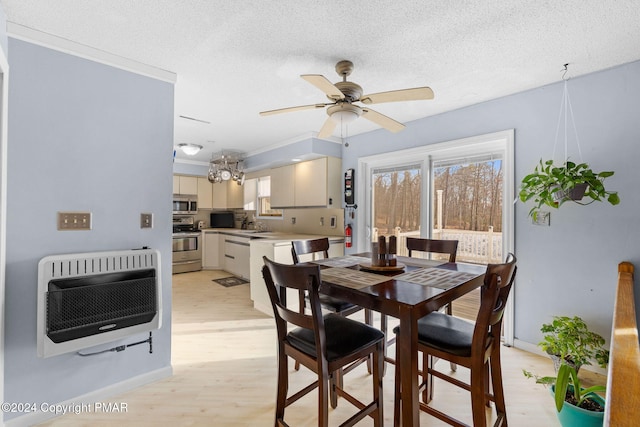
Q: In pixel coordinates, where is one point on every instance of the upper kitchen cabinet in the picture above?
(205, 194)
(220, 195)
(235, 195)
(282, 186)
(185, 184)
(315, 183)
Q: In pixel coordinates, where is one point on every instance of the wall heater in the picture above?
(89, 299)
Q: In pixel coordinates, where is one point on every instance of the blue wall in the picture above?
(83, 136)
(571, 267)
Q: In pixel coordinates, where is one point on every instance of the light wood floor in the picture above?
(224, 362)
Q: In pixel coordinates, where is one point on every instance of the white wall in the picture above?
(569, 268)
(83, 136)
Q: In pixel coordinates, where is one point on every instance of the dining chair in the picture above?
(446, 247)
(324, 343)
(474, 346)
(320, 247)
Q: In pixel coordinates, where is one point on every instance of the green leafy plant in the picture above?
(570, 339)
(551, 185)
(567, 380)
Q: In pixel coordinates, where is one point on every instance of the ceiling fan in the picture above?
(343, 96)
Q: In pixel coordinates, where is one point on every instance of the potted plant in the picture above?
(576, 406)
(568, 340)
(552, 185)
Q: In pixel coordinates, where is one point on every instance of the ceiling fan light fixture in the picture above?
(344, 113)
(190, 149)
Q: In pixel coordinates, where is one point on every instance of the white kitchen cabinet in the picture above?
(282, 186)
(250, 188)
(314, 183)
(205, 194)
(236, 255)
(211, 250)
(235, 195)
(176, 184)
(219, 196)
(183, 184)
(279, 250)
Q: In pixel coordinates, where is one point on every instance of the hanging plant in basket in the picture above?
(552, 185)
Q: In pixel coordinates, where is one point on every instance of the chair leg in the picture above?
(478, 396)
(496, 382)
(397, 398)
(378, 372)
(335, 380)
(324, 385)
(283, 387)
(428, 364)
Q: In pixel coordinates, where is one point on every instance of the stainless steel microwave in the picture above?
(185, 205)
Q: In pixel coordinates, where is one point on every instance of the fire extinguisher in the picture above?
(347, 236)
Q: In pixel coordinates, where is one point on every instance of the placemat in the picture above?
(349, 278)
(436, 277)
(342, 261)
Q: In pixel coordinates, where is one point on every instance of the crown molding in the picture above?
(60, 44)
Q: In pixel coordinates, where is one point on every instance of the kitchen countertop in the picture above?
(270, 237)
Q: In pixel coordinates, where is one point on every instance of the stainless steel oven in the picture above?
(187, 252)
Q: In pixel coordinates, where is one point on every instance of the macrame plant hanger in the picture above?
(565, 110)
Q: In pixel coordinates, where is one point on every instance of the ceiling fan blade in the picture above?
(327, 128)
(382, 120)
(322, 83)
(290, 109)
(415, 94)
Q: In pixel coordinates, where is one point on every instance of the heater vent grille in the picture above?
(86, 310)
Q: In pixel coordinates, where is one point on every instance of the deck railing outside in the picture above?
(480, 247)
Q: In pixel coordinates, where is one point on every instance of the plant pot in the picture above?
(576, 193)
(572, 416)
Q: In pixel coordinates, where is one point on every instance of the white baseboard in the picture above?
(89, 399)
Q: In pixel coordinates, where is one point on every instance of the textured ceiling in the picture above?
(235, 58)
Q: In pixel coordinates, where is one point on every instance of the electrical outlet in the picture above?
(293, 220)
(74, 220)
(146, 220)
(321, 221)
(333, 221)
(542, 218)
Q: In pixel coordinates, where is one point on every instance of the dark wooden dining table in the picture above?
(407, 301)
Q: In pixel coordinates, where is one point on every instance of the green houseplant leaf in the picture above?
(552, 185)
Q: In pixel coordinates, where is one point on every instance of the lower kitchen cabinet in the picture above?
(280, 251)
(236, 255)
(211, 250)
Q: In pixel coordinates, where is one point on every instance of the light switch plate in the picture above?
(333, 221)
(146, 220)
(74, 220)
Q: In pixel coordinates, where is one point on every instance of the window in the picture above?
(264, 199)
(459, 190)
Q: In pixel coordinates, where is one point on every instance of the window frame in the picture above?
(502, 142)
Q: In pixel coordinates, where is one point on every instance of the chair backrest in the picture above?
(434, 246)
(301, 247)
(280, 277)
(498, 281)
